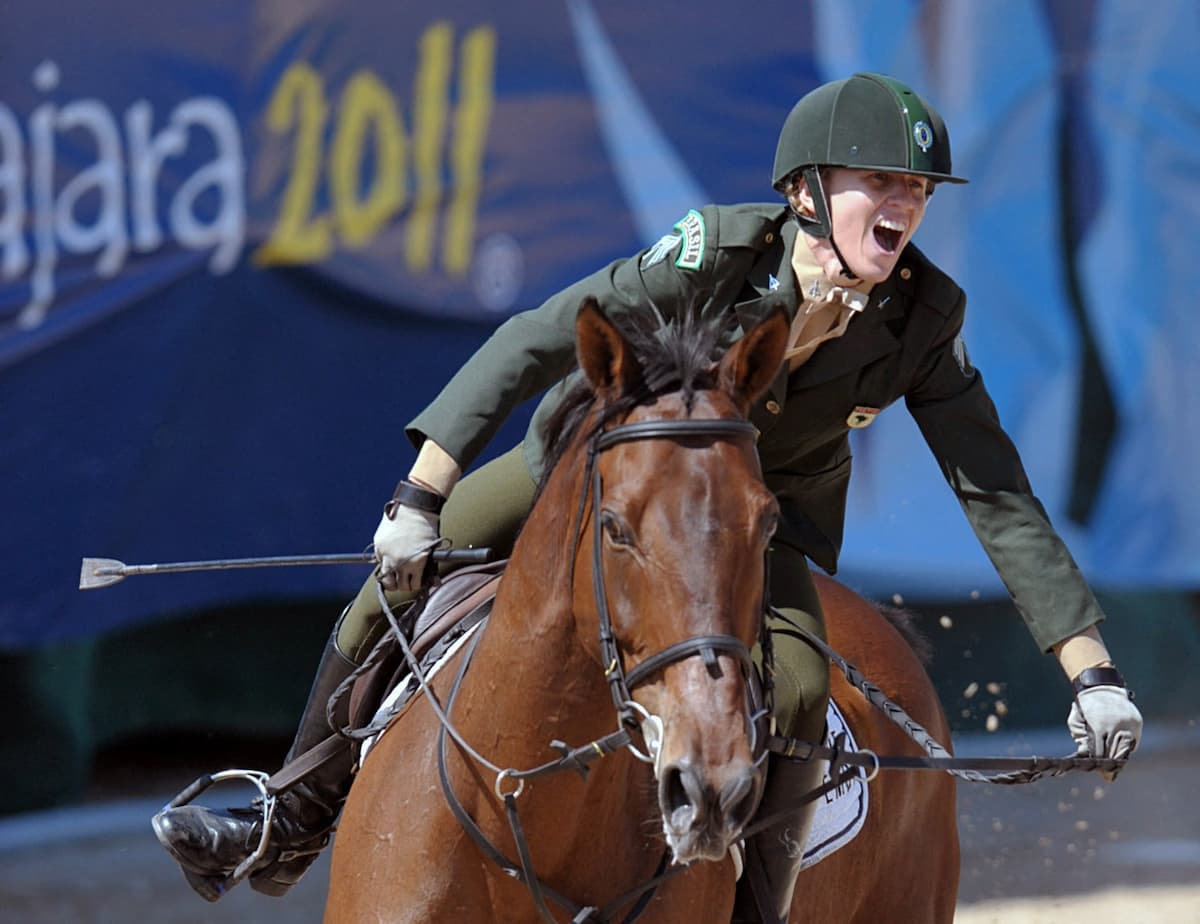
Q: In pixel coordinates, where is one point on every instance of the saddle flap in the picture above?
(449, 601)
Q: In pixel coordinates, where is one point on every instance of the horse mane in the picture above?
(904, 621)
(676, 355)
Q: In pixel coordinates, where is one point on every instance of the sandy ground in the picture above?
(1158, 905)
(1064, 850)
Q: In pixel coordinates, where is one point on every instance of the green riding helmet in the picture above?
(865, 122)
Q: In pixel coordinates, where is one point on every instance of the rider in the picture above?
(873, 321)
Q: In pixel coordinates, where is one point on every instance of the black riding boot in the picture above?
(210, 844)
(773, 856)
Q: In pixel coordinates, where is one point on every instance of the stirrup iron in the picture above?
(259, 779)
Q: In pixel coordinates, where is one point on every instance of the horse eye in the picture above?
(614, 528)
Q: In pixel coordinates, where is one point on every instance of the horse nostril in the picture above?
(680, 799)
(674, 793)
(738, 798)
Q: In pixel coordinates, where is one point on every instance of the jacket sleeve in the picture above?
(959, 422)
(535, 349)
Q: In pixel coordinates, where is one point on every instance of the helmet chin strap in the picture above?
(820, 225)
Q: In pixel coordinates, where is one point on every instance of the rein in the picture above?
(1020, 769)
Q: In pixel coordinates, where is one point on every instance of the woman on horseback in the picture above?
(873, 320)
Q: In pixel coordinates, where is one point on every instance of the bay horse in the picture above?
(634, 591)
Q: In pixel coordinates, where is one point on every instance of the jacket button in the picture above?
(770, 237)
(906, 273)
(773, 406)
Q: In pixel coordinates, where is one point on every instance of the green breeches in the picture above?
(486, 510)
(801, 672)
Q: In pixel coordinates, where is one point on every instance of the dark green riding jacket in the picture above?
(904, 345)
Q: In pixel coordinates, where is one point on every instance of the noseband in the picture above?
(620, 683)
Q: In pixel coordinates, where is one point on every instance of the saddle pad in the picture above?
(840, 812)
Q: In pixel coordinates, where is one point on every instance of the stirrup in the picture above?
(219, 885)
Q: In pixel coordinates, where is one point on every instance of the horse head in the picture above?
(670, 563)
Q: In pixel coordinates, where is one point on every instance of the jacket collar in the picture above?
(771, 279)
(867, 339)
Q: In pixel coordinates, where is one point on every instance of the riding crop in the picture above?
(101, 572)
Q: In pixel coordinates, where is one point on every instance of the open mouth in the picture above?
(889, 233)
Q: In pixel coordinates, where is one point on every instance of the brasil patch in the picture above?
(691, 254)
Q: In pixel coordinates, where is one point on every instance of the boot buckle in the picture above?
(259, 779)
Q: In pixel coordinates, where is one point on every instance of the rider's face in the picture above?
(874, 213)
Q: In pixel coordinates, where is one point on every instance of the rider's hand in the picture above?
(404, 538)
(1105, 723)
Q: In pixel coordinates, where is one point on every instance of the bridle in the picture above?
(510, 782)
(619, 681)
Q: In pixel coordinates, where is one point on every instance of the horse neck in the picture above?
(537, 679)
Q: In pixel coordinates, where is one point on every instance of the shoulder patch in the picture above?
(691, 226)
(659, 251)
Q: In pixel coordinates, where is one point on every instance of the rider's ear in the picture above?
(604, 355)
(752, 363)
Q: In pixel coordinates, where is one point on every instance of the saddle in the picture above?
(435, 620)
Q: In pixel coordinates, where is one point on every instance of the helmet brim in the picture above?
(928, 174)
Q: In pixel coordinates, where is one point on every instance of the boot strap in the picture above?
(288, 854)
(302, 766)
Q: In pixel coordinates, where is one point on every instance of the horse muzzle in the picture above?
(703, 814)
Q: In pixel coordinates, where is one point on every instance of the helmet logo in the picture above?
(924, 137)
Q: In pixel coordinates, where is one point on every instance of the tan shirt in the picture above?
(827, 308)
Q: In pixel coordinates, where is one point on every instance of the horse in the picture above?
(632, 599)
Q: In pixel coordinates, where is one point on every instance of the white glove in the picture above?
(403, 541)
(1105, 723)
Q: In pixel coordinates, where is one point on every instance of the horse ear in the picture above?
(751, 365)
(605, 356)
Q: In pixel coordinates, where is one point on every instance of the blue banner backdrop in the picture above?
(242, 242)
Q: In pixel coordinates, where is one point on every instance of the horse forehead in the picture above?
(706, 404)
(682, 462)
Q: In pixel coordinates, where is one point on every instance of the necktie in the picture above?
(818, 321)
